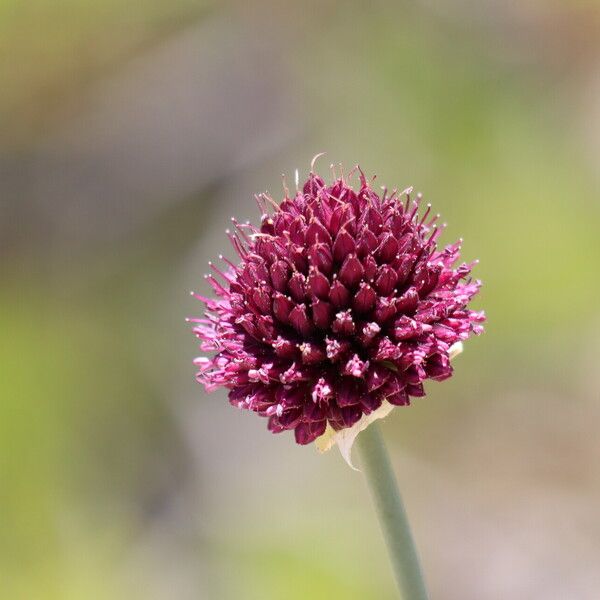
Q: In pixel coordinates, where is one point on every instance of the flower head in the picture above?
(340, 307)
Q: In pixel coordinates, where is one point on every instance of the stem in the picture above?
(390, 510)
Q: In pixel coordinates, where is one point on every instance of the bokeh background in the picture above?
(130, 133)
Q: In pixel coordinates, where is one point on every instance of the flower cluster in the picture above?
(340, 301)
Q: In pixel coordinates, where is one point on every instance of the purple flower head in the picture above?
(341, 302)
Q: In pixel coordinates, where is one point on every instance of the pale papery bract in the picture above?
(340, 302)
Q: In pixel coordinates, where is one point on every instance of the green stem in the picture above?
(392, 516)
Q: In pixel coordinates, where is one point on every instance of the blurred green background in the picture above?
(131, 132)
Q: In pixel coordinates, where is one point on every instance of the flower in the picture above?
(339, 308)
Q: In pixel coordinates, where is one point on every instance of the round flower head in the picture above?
(340, 307)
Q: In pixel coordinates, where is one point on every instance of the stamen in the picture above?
(314, 160)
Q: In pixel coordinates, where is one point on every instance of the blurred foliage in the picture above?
(51, 49)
